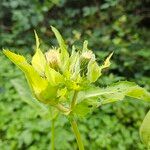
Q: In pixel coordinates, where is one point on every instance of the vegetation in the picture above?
(117, 29)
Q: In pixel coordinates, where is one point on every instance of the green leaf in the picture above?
(53, 76)
(26, 96)
(61, 42)
(145, 130)
(35, 81)
(40, 87)
(85, 107)
(38, 60)
(96, 97)
(118, 91)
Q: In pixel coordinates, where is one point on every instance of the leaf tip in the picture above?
(111, 54)
(6, 51)
(53, 28)
(37, 40)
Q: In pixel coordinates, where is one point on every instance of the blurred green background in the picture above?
(121, 26)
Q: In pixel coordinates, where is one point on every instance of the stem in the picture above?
(77, 134)
(53, 134)
(73, 103)
(62, 108)
(74, 124)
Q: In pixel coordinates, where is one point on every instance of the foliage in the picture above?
(59, 74)
(19, 16)
(119, 26)
(22, 128)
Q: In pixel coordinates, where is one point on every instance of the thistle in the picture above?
(66, 81)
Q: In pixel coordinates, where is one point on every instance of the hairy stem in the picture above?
(53, 134)
(77, 134)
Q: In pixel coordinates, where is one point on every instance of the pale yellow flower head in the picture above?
(88, 55)
(53, 58)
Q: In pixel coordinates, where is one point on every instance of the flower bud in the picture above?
(84, 60)
(53, 59)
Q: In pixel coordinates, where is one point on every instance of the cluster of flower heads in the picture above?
(52, 74)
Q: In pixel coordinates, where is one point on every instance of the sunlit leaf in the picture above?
(61, 42)
(35, 81)
(118, 91)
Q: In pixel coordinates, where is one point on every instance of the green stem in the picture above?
(53, 134)
(74, 124)
(77, 134)
(62, 108)
(73, 103)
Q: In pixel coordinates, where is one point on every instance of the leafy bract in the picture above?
(145, 130)
(63, 47)
(61, 42)
(106, 62)
(53, 76)
(25, 95)
(94, 71)
(38, 60)
(36, 82)
(96, 97)
(39, 85)
(74, 65)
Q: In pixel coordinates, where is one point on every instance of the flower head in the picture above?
(88, 55)
(53, 58)
(85, 58)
